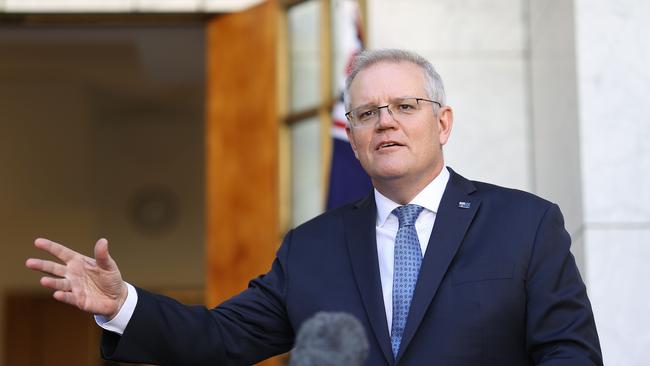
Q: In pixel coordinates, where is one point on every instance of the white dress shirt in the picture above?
(386, 231)
(121, 320)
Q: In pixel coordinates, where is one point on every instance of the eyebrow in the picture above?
(366, 105)
(390, 101)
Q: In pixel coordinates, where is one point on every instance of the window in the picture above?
(310, 91)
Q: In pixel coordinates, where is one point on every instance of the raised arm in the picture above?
(93, 285)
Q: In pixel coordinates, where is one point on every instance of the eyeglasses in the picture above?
(401, 109)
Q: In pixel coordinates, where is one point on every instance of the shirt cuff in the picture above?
(121, 320)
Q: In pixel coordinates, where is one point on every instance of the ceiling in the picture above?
(124, 6)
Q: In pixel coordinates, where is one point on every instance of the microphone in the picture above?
(330, 339)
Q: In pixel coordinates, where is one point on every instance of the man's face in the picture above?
(396, 153)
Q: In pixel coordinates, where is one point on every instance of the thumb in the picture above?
(103, 259)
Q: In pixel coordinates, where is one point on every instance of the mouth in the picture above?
(387, 144)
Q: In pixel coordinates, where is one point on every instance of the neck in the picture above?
(402, 190)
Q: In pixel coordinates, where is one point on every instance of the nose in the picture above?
(385, 120)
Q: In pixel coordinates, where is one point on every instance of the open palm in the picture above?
(94, 285)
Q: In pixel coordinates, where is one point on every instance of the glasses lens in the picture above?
(405, 107)
(367, 114)
(364, 115)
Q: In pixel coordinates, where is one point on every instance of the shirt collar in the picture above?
(429, 197)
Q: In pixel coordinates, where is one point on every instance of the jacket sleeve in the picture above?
(560, 323)
(243, 330)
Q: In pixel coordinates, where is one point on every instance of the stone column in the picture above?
(612, 58)
(590, 88)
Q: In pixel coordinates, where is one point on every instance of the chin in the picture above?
(389, 174)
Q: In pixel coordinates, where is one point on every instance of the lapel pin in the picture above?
(463, 204)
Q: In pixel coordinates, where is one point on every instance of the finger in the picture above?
(35, 264)
(65, 297)
(54, 268)
(102, 257)
(63, 253)
(59, 284)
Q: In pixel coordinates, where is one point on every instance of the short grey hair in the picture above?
(433, 83)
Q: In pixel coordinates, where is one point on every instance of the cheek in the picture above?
(428, 146)
(426, 139)
(360, 143)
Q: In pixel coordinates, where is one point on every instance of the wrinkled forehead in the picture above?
(386, 81)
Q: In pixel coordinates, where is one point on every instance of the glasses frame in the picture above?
(349, 116)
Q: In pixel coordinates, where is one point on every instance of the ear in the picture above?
(353, 142)
(445, 123)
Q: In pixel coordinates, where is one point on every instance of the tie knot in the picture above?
(407, 214)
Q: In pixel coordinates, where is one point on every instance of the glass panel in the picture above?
(306, 172)
(304, 55)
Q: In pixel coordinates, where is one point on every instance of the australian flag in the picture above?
(348, 181)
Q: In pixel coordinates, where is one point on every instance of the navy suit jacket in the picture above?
(497, 286)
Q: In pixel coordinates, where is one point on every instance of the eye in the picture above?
(406, 107)
(367, 113)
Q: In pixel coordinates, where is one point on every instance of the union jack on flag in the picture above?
(348, 181)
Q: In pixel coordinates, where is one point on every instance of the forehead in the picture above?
(387, 80)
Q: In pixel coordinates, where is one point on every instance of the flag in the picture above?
(347, 181)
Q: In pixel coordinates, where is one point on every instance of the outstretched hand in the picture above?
(92, 285)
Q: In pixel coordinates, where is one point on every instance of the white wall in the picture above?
(480, 50)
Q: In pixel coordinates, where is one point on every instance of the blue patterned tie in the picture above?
(408, 257)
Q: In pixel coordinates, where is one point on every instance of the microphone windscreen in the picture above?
(330, 339)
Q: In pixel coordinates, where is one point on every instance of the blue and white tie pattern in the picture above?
(408, 257)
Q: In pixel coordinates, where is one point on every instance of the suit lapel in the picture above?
(452, 221)
(361, 240)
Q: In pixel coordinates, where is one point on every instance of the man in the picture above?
(440, 270)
